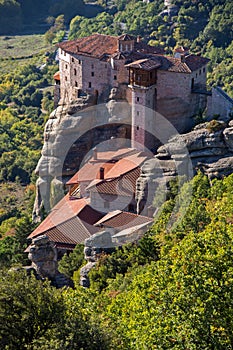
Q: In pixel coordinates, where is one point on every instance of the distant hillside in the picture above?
(16, 14)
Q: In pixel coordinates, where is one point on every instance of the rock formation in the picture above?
(71, 131)
(209, 147)
(95, 245)
(43, 255)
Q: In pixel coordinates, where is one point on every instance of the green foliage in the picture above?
(28, 310)
(21, 124)
(215, 125)
(72, 262)
(56, 31)
(182, 300)
(128, 256)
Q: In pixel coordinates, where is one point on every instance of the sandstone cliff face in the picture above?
(71, 131)
(209, 147)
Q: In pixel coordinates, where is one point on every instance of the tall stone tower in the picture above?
(142, 82)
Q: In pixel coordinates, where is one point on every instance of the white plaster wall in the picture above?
(115, 202)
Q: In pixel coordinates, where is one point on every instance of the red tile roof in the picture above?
(112, 163)
(126, 164)
(95, 45)
(66, 210)
(121, 186)
(56, 76)
(100, 45)
(145, 64)
(122, 220)
(90, 171)
(195, 62)
(70, 232)
(189, 64)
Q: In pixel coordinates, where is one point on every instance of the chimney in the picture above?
(101, 173)
(95, 157)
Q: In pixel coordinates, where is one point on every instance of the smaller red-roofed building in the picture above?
(69, 223)
(127, 227)
(107, 182)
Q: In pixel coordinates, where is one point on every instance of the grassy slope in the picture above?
(21, 49)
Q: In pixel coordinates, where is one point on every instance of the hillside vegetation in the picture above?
(171, 290)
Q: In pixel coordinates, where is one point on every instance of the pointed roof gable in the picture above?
(67, 210)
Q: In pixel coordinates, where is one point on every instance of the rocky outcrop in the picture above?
(43, 255)
(71, 131)
(95, 245)
(209, 147)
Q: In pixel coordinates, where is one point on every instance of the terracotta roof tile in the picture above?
(95, 45)
(126, 164)
(56, 76)
(195, 62)
(72, 231)
(121, 186)
(90, 171)
(121, 220)
(100, 45)
(188, 65)
(65, 210)
(112, 163)
(146, 64)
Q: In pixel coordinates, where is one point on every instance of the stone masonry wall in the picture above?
(175, 99)
(219, 104)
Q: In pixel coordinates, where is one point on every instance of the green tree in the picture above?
(29, 309)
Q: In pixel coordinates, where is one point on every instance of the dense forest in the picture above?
(171, 290)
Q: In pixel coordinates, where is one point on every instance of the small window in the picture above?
(137, 127)
(138, 112)
(204, 70)
(76, 84)
(200, 72)
(72, 59)
(196, 75)
(75, 71)
(115, 77)
(138, 99)
(64, 53)
(106, 205)
(89, 84)
(92, 66)
(65, 78)
(66, 66)
(92, 74)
